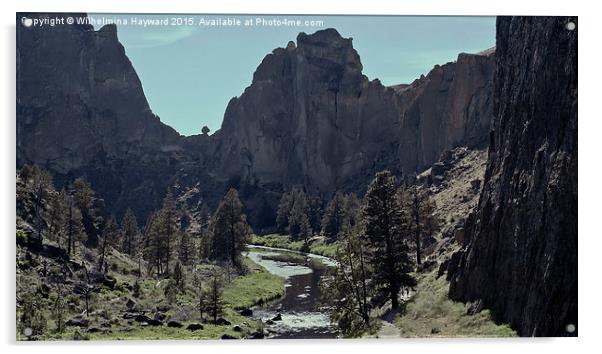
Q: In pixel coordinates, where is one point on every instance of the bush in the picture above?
(21, 237)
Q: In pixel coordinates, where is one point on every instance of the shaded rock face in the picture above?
(312, 119)
(81, 110)
(521, 257)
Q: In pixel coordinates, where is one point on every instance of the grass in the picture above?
(256, 288)
(430, 313)
(317, 245)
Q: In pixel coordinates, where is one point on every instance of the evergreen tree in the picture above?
(169, 228)
(186, 249)
(315, 213)
(83, 197)
(58, 215)
(213, 296)
(284, 210)
(348, 291)
(39, 185)
(423, 221)
(179, 277)
(109, 238)
(202, 302)
(334, 217)
(351, 210)
(230, 230)
(130, 233)
(74, 227)
(384, 229)
(299, 227)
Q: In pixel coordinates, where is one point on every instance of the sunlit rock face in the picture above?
(521, 253)
(311, 118)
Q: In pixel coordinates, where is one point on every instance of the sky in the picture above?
(190, 69)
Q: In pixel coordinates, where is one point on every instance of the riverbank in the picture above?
(317, 244)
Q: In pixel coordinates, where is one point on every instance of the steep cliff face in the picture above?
(521, 252)
(450, 106)
(311, 118)
(81, 110)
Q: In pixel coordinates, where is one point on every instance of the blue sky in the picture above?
(189, 73)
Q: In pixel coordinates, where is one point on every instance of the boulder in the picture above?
(130, 304)
(153, 322)
(256, 335)
(194, 327)
(77, 322)
(228, 336)
(142, 318)
(278, 317)
(222, 322)
(174, 324)
(237, 328)
(246, 312)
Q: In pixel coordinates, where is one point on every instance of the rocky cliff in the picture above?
(81, 110)
(310, 118)
(521, 254)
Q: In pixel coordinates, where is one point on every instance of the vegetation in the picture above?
(430, 313)
(230, 230)
(83, 295)
(317, 245)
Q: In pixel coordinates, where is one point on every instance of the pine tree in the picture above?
(179, 276)
(168, 223)
(213, 296)
(74, 228)
(423, 221)
(200, 293)
(83, 197)
(39, 185)
(284, 211)
(109, 238)
(315, 213)
(130, 233)
(334, 217)
(230, 230)
(186, 249)
(299, 227)
(58, 215)
(385, 222)
(348, 291)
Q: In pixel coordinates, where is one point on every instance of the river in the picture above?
(299, 307)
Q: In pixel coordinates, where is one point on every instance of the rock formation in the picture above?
(521, 253)
(310, 119)
(81, 111)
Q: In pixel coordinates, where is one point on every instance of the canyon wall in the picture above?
(520, 259)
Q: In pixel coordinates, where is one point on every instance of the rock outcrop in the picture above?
(81, 111)
(521, 257)
(310, 118)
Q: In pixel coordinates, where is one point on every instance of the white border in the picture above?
(590, 172)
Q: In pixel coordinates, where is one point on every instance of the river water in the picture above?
(299, 307)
